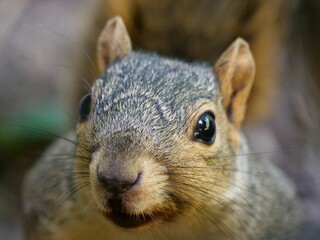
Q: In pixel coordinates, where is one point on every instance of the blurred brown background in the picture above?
(43, 63)
(39, 82)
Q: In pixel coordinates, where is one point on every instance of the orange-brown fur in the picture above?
(189, 189)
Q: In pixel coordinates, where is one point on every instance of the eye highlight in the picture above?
(85, 103)
(205, 129)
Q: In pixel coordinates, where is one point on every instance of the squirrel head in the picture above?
(159, 131)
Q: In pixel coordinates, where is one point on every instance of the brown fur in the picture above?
(189, 189)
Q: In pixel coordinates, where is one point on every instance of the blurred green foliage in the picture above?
(31, 128)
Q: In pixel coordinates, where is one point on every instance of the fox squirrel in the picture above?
(158, 153)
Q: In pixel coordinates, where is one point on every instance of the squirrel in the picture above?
(158, 153)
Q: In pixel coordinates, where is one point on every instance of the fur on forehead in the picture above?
(146, 95)
(140, 73)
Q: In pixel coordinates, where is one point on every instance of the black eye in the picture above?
(205, 129)
(85, 107)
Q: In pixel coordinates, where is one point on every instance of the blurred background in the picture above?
(46, 49)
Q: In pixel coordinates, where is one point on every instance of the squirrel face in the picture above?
(159, 132)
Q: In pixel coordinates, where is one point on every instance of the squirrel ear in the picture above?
(114, 42)
(235, 70)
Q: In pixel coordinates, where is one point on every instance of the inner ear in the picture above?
(235, 70)
(114, 42)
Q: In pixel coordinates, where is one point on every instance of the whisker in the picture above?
(187, 176)
(50, 134)
(258, 174)
(215, 220)
(74, 43)
(218, 198)
(74, 189)
(85, 82)
(256, 153)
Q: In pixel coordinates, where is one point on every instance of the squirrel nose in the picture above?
(118, 185)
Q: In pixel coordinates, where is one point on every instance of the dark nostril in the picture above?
(118, 185)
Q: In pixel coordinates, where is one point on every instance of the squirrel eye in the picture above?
(85, 103)
(205, 129)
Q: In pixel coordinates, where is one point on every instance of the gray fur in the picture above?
(162, 89)
(141, 104)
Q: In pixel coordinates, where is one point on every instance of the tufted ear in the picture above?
(235, 70)
(114, 42)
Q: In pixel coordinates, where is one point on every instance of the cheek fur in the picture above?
(197, 177)
(97, 191)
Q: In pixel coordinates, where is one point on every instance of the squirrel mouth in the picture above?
(130, 220)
